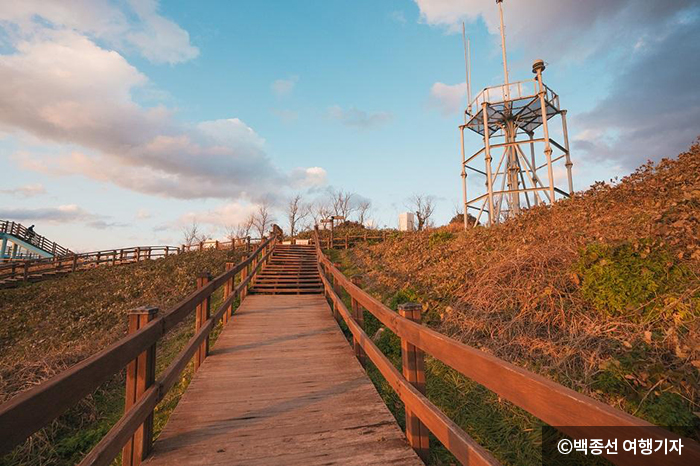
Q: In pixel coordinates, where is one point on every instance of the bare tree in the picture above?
(363, 209)
(423, 207)
(262, 219)
(193, 234)
(297, 211)
(341, 202)
(241, 229)
(248, 224)
(320, 210)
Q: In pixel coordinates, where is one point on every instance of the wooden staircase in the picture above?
(292, 269)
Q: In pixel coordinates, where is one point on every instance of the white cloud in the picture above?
(160, 40)
(450, 100)
(69, 213)
(143, 214)
(653, 106)
(29, 190)
(644, 46)
(356, 118)
(283, 87)
(568, 29)
(135, 24)
(65, 89)
(230, 213)
(311, 177)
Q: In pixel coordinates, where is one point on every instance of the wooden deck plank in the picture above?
(282, 386)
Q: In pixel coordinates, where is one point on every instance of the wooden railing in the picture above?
(558, 406)
(345, 241)
(40, 269)
(35, 408)
(21, 232)
(235, 243)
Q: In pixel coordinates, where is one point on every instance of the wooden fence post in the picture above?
(337, 290)
(247, 247)
(75, 262)
(244, 275)
(347, 241)
(359, 315)
(201, 317)
(413, 362)
(140, 375)
(228, 289)
(114, 258)
(324, 271)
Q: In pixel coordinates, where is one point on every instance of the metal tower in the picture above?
(510, 117)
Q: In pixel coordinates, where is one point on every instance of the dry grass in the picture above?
(48, 326)
(600, 292)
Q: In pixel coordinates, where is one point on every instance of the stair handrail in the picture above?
(36, 407)
(21, 270)
(39, 241)
(558, 406)
(232, 243)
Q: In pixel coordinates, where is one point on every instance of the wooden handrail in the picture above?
(460, 444)
(555, 404)
(33, 409)
(23, 270)
(105, 451)
(220, 245)
(41, 242)
(344, 241)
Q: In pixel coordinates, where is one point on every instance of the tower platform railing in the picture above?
(527, 89)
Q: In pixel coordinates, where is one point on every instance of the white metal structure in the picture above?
(513, 118)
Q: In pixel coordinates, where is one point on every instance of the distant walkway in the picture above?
(282, 387)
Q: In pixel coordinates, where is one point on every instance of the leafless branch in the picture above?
(423, 207)
(297, 211)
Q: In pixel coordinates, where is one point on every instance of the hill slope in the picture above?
(48, 326)
(600, 292)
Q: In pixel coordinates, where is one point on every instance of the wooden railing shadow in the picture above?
(569, 411)
(34, 409)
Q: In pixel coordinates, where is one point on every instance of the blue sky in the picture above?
(123, 121)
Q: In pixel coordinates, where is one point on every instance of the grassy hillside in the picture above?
(48, 326)
(600, 293)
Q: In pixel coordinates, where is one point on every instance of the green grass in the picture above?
(626, 279)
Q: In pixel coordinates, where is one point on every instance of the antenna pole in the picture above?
(503, 48)
(469, 72)
(467, 60)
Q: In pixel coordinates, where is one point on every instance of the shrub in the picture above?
(441, 236)
(628, 277)
(405, 295)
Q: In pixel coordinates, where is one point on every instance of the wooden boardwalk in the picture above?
(282, 387)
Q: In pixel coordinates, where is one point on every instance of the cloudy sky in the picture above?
(121, 121)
